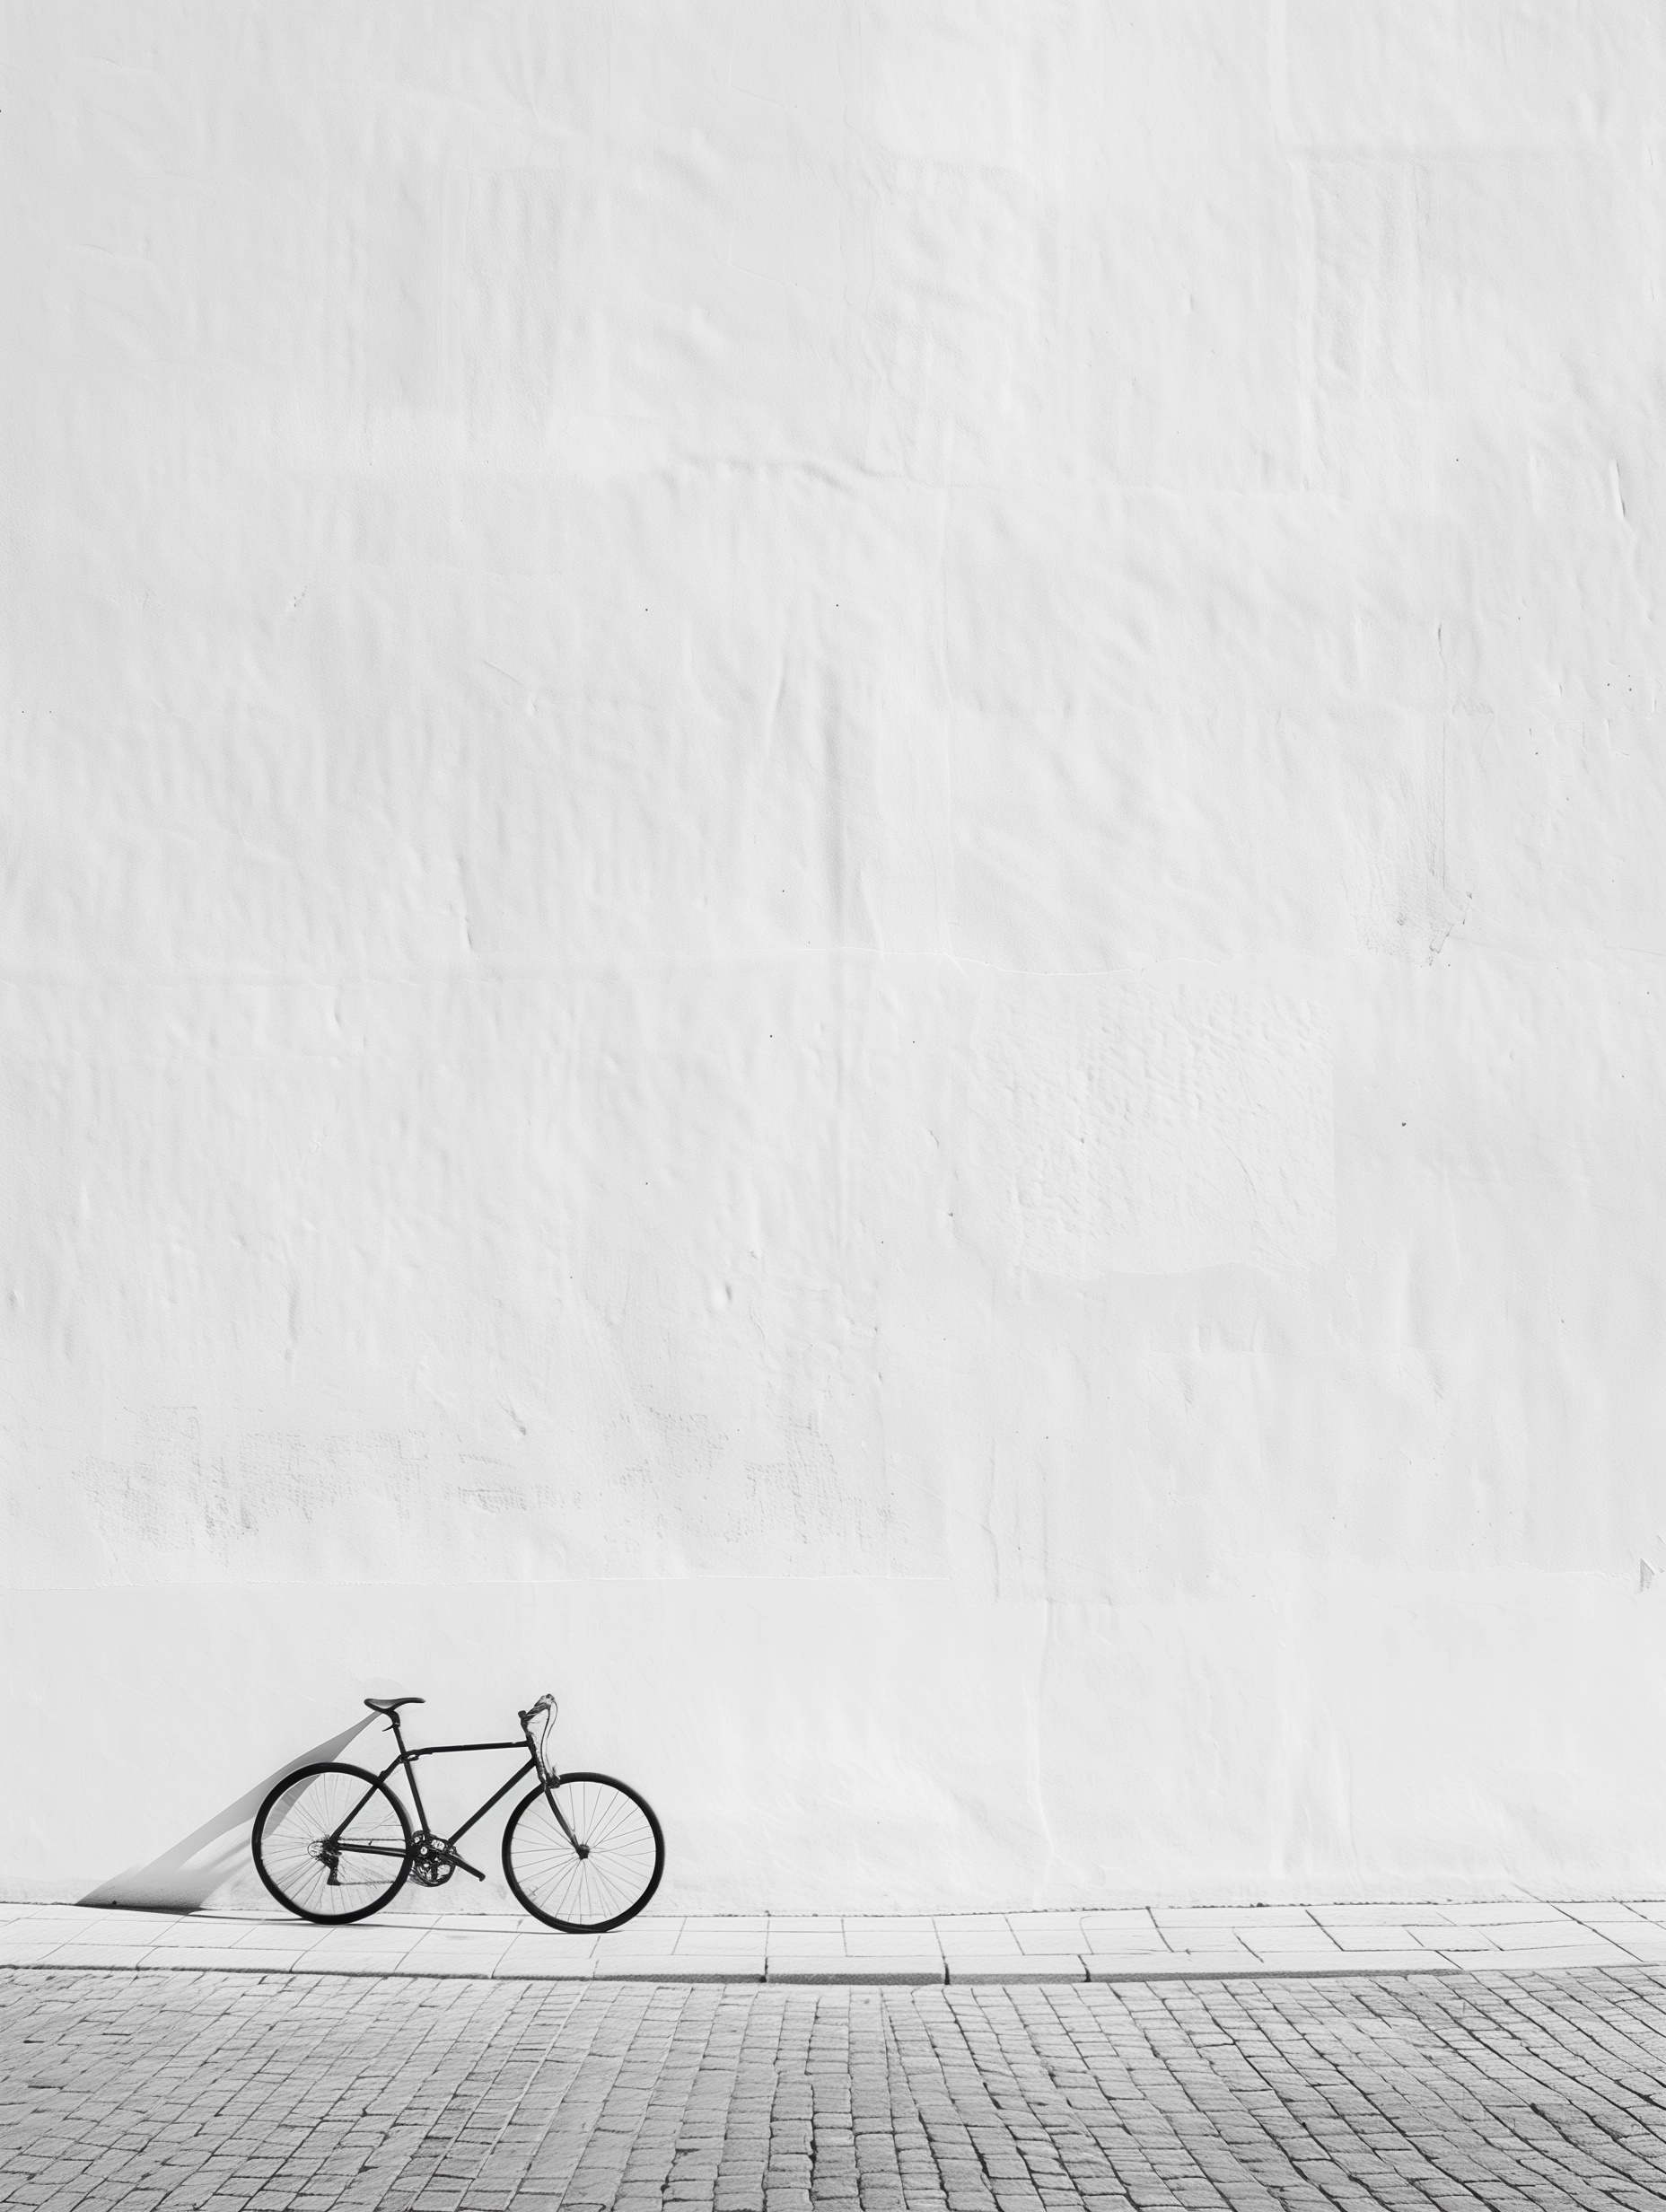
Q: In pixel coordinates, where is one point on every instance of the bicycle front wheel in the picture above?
(332, 1843)
(599, 1876)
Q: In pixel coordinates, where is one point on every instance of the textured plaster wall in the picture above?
(832, 905)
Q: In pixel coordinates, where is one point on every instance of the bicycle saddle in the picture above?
(392, 1705)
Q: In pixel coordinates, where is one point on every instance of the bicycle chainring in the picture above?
(430, 1864)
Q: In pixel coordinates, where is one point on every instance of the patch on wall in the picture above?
(1149, 1127)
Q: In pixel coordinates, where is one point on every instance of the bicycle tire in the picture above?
(302, 1812)
(615, 1881)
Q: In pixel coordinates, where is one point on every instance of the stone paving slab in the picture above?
(278, 2092)
(1029, 1966)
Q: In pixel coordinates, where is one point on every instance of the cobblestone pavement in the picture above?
(273, 2091)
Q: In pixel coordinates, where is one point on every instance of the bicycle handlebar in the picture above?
(532, 1711)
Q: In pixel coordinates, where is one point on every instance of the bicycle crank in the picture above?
(432, 1865)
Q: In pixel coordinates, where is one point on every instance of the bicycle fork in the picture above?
(548, 1778)
(549, 1782)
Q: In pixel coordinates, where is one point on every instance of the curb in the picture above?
(853, 1977)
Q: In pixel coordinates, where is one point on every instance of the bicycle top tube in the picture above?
(427, 1750)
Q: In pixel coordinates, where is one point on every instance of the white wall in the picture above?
(832, 906)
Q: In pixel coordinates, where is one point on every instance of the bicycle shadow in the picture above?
(186, 1875)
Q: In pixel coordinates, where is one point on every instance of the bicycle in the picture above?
(581, 1852)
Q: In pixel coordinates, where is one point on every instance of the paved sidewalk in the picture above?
(1137, 1945)
(284, 2092)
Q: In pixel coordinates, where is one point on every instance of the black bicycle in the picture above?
(583, 1852)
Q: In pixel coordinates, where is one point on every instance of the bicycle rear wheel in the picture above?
(332, 1843)
(611, 1874)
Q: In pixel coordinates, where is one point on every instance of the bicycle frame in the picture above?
(407, 1758)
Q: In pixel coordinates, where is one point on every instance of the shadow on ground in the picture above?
(186, 1875)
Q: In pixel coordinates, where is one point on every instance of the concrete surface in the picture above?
(1354, 2095)
(831, 905)
(1520, 1935)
